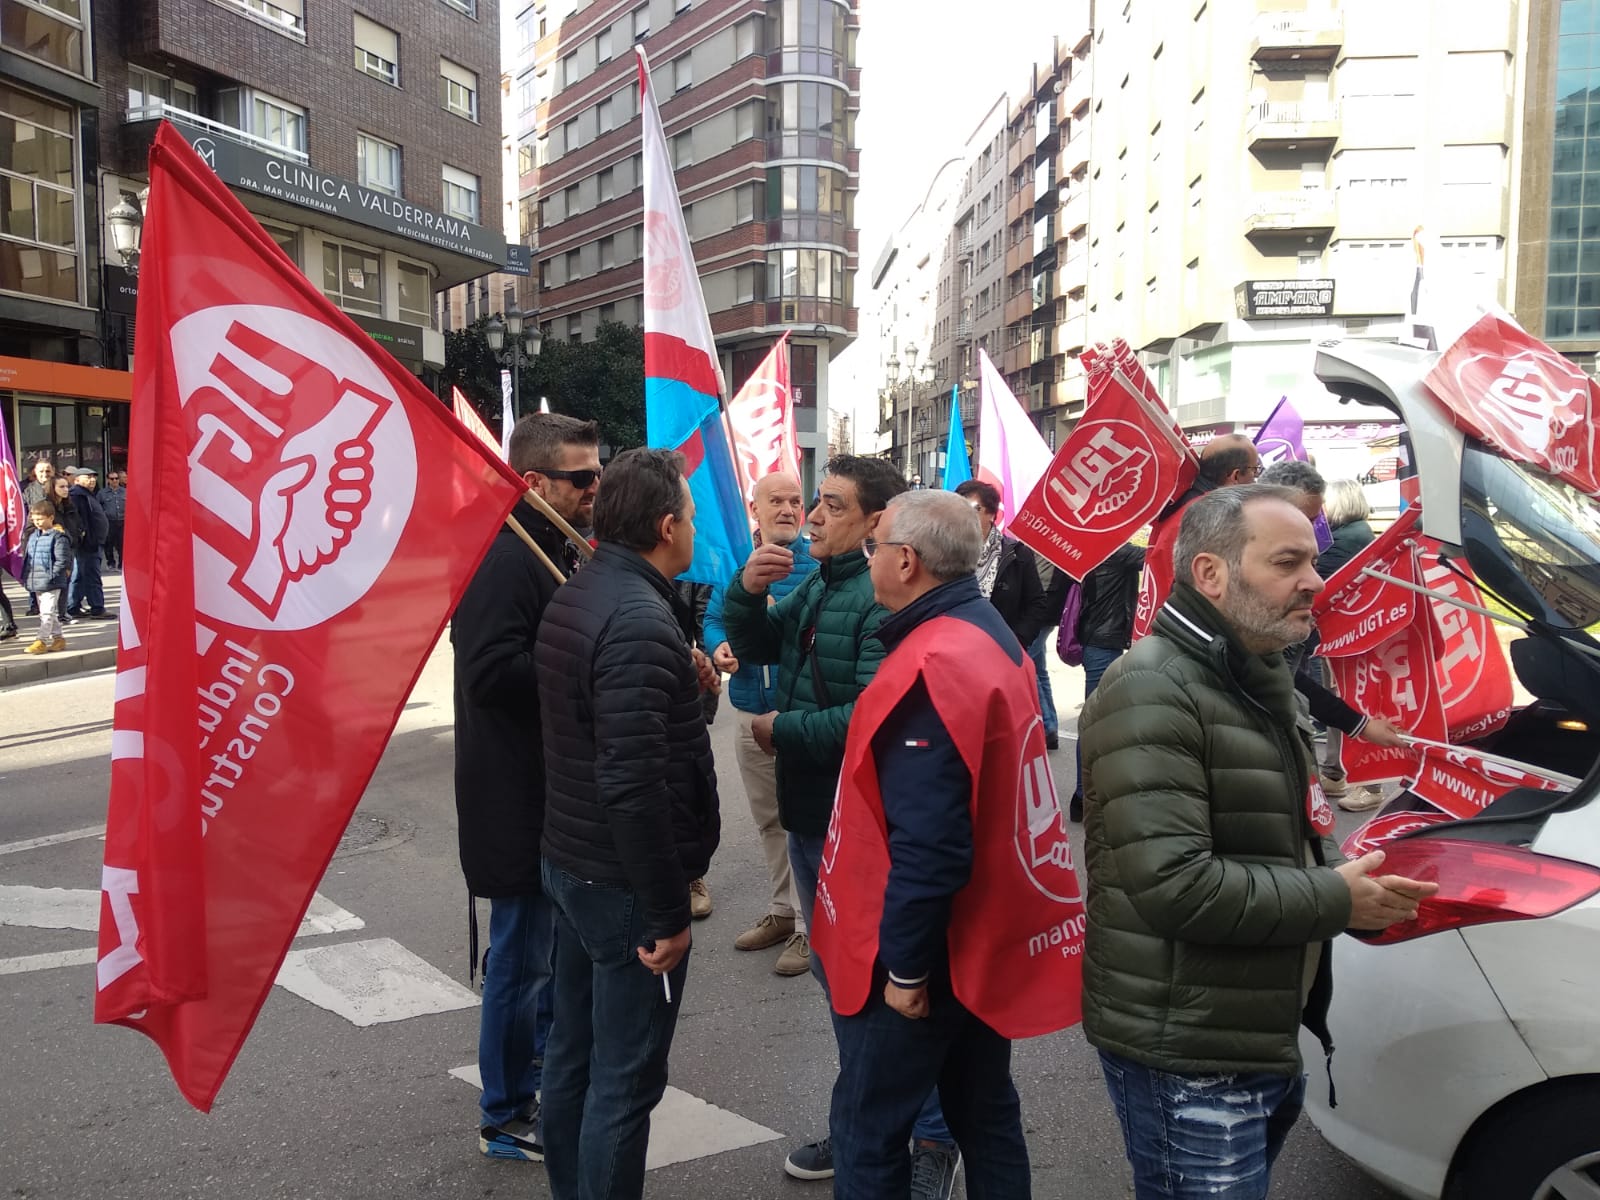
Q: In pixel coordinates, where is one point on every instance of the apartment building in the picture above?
(758, 102)
(994, 258)
(1261, 174)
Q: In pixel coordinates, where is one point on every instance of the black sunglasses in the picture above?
(578, 479)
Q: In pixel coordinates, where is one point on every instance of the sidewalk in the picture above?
(91, 645)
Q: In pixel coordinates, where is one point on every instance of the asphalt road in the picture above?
(317, 1106)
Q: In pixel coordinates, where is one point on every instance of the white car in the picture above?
(1467, 1061)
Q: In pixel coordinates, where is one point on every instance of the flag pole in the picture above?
(556, 519)
(516, 528)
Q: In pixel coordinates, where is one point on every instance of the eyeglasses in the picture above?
(578, 479)
(870, 546)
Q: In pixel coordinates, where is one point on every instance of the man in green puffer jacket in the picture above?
(1213, 883)
(822, 636)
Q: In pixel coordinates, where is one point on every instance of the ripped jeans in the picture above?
(1192, 1136)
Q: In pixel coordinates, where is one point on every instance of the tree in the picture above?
(601, 381)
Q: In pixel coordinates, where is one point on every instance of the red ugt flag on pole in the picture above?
(762, 419)
(303, 519)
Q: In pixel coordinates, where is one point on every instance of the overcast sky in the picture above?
(930, 69)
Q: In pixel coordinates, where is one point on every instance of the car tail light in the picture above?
(1480, 883)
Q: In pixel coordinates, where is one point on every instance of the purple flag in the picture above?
(13, 514)
(1281, 438)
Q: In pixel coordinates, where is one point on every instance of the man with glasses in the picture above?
(114, 500)
(500, 773)
(822, 637)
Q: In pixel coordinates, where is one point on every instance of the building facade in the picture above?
(369, 150)
(758, 101)
(1264, 176)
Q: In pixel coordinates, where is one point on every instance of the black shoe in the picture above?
(75, 613)
(8, 632)
(1052, 741)
(1075, 809)
(33, 611)
(102, 615)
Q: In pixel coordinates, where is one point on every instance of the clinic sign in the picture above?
(1284, 298)
(266, 174)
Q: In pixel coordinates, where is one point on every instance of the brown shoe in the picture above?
(1333, 789)
(699, 899)
(768, 931)
(796, 956)
(60, 643)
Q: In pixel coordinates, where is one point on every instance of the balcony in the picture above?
(1070, 335)
(1017, 358)
(1311, 36)
(793, 61)
(156, 110)
(1078, 91)
(963, 331)
(1074, 157)
(1309, 210)
(965, 247)
(1073, 276)
(809, 145)
(1279, 125)
(1075, 212)
(1019, 307)
(1019, 257)
(834, 313)
(1021, 203)
(1020, 151)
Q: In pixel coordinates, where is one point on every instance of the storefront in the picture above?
(70, 415)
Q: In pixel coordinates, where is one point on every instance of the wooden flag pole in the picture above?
(556, 519)
(516, 528)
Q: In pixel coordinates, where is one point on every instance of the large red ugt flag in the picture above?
(302, 521)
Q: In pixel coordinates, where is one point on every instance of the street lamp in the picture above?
(524, 348)
(126, 222)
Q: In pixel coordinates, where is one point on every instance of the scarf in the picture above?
(989, 561)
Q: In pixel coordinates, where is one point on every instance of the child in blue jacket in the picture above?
(47, 566)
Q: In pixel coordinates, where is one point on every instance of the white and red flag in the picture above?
(303, 519)
(1507, 388)
(1474, 677)
(469, 417)
(1116, 470)
(1012, 454)
(761, 416)
(1357, 612)
(1463, 782)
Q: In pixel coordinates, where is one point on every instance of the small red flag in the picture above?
(1357, 612)
(303, 517)
(1114, 472)
(1463, 784)
(761, 417)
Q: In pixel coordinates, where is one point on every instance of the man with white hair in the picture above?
(931, 899)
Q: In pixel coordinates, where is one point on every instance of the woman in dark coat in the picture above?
(1007, 573)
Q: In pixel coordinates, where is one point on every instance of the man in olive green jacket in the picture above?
(823, 636)
(1213, 886)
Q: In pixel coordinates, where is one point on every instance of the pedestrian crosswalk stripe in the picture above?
(79, 908)
(371, 982)
(46, 962)
(72, 835)
(682, 1127)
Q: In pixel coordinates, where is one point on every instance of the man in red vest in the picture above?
(949, 916)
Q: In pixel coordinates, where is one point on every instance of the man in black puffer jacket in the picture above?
(630, 819)
(499, 773)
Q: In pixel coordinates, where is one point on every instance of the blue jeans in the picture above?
(888, 1065)
(606, 1066)
(1191, 1136)
(805, 859)
(85, 583)
(1095, 663)
(515, 1021)
(1047, 698)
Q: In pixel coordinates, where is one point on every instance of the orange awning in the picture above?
(65, 379)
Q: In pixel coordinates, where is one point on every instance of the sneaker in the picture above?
(933, 1171)
(768, 931)
(517, 1139)
(1333, 789)
(1363, 799)
(33, 611)
(796, 956)
(75, 613)
(38, 647)
(699, 899)
(814, 1161)
(102, 615)
(66, 620)
(58, 643)
(9, 632)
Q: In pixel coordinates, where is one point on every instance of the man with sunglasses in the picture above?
(822, 636)
(500, 773)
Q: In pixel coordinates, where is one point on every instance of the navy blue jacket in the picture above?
(927, 791)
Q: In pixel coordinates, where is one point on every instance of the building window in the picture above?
(602, 46)
(39, 220)
(470, 7)
(527, 29)
(416, 297)
(277, 121)
(460, 194)
(681, 6)
(805, 274)
(812, 38)
(48, 30)
(682, 72)
(608, 253)
(288, 240)
(524, 156)
(808, 120)
(377, 50)
(604, 115)
(683, 148)
(569, 70)
(350, 278)
(606, 183)
(287, 15)
(378, 164)
(150, 92)
(525, 92)
(641, 23)
(459, 88)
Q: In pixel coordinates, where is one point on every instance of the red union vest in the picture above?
(1016, 929)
